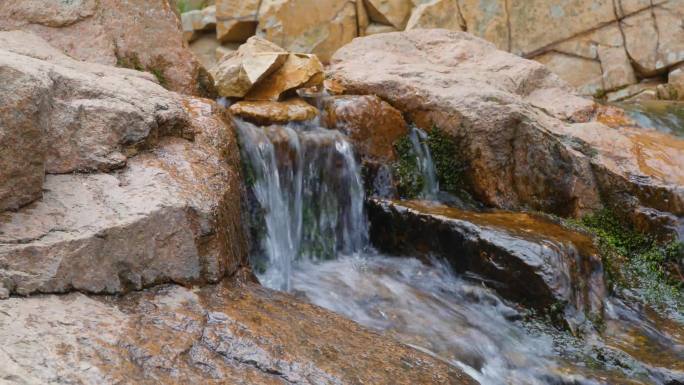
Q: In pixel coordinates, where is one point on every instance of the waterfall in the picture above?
(308, 185)
(426, 167)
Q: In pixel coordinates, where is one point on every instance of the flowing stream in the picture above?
(664, 116)
(313, 241)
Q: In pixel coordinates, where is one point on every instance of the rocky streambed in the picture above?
(426, 209)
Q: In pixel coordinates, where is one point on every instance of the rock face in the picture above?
(310, 26)
(236, 19)
(266, 113)
(517, 126)
(298, 71)
(217, 334)
(530, 259)
(158, 201)
(237, 73)
(118, 33)
(604, 47)
(370, 123)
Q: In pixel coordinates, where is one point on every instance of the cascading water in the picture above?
(426, 167)
(308, 186)
(314, 235)
(662, 115)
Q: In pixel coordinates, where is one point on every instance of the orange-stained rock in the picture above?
(514, 124)
(268, 112)
(370, 123)
(222, 334)
(237, 73)
(298, 71)
(139, 34)
(310, 26)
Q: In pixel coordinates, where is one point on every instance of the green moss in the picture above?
(600, 94)
(129, 61)
(635, 260)
(448, 164)
(190, 5)
(159, 74)
(407, 175)
(409, 180)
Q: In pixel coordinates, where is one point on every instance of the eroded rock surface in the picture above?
(159, 201)
(112, 32)
(529, 259)
(217, 334)
(267, 112)
(526, 138)
(310, 26)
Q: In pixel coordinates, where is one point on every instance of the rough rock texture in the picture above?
(170, 215)
(194, 22)
(370, 123)
(437, 14)
(237, 73)
(236, 19)
(298, 71)
(158, 202)
(530, 259)
(113, 32)
(214, 335)
(389, 12)
(266, 112)
(514, 125)
(86, 117)
(309, 26)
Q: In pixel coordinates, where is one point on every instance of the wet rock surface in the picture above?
(527, 140)
(266, 112)
(217, 334)
(527, 258)
(117, 33)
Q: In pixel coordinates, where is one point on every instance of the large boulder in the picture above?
(525, 137)
(310, 26)
(526, 258)
(88, 117)
(159, 199)
(224, 334)
(114, 33)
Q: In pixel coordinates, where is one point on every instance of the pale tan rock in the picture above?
(362, 19)
(255, 60)
(236, 19)
(194, 22)
(640, 91)
(298, 71)
(268, 112)
(389, 12)
(309, 26)
(225, 49)
(489, 23)
(583, 74)
(655, 39)
(204, 47)
(515, 122)
(177, 335)
(626, 8)
(113, 32)
(375, 28)
(538, 23)
(617, 69)
(586, 45)
(676, 75)
(437, 14)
